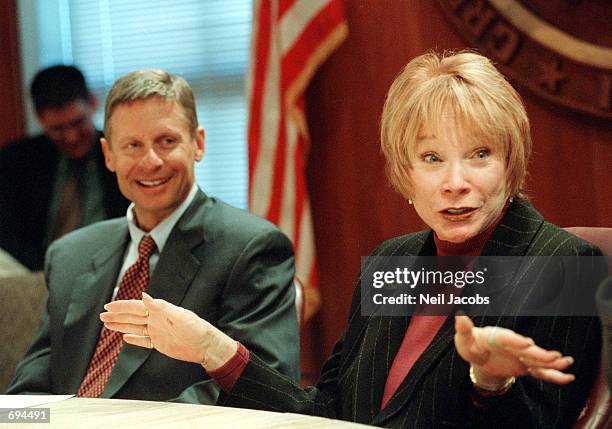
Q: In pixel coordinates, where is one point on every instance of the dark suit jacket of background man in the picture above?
(437, 390)
(27, 176)
(231, 268)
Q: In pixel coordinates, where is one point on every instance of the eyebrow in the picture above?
(167, 133)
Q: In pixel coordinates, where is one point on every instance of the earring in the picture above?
(511, 199)
(410, 201)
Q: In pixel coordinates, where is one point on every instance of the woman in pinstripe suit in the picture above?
(456, 139)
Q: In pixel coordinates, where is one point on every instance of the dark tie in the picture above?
(132, 285)
(68, 217)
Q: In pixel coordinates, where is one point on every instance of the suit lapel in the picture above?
(173, 275)
(177, 265)
(91, 291)
(512, 237)
(383, 337)
(515, 232)
(412, 382)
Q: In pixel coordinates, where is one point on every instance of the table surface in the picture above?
(120, 413)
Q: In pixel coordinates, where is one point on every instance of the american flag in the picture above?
(291, 39)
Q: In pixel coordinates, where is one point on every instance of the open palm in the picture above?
(502, 353)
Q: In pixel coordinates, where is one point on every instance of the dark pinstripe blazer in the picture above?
(437, 390)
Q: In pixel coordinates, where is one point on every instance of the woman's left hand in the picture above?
(498, 353)
(171, 330)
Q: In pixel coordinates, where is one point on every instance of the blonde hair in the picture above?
(142, 84)
(481, 99)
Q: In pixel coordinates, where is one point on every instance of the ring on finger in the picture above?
(491, 337)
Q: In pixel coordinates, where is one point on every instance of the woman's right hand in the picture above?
(497, 354)
(171, 330)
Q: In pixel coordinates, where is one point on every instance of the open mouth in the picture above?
(153, 183)
(458, 211)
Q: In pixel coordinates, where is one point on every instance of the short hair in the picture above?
(143, 84)
(57, 86)
(478, 95)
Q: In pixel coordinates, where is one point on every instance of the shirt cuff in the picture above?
(227, 375)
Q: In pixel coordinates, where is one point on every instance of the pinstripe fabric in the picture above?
(436, 391)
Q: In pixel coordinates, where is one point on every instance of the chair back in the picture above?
(22, 298)
(597, 413)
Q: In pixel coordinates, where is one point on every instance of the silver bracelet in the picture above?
(491, 389)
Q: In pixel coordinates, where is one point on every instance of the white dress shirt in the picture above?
(159, 234)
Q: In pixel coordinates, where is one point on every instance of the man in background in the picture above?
(55, 182)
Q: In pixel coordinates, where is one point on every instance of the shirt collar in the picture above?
(162, 231)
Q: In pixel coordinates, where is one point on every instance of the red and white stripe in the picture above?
(291, 38)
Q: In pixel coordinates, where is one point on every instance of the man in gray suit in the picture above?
(229, 267)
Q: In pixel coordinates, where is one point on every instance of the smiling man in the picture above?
(55, 182)
(176, 243)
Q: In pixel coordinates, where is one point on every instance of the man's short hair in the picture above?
(58, 86)
(143, 84)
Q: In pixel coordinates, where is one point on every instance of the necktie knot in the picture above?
(146, 247)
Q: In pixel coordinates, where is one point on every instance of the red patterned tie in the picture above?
(134, 281)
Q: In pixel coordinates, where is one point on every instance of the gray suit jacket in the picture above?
(231, 268)
(437, 391)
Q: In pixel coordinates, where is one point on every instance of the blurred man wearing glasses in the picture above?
(55, 182)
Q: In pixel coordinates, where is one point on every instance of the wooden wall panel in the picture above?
(11, 109)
